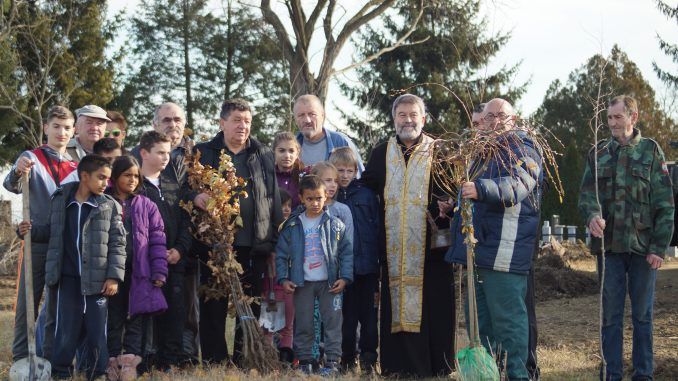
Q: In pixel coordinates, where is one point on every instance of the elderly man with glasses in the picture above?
(506, 206)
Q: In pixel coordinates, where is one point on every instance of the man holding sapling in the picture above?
(261, 214)
(633, 226)
(506, 206)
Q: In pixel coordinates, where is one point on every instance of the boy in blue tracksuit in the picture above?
(85, 263)
(361, 297)
(314, 259)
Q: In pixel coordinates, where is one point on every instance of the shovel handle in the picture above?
(28, 276)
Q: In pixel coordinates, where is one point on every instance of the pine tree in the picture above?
(567, 111)
(54, 55)
(185, 53)
(670, 48)
(455, 52)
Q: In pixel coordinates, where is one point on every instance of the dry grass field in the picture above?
(568, 336)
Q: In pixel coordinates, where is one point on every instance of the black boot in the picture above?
(368, 362)
(286, 355)
(348, 365)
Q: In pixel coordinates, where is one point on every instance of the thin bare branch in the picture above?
(396, 45)
(278, 28)
(327, 24)
(363, 17)
(310, 23)
(298, 19)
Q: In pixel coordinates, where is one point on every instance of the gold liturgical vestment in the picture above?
(406, 201)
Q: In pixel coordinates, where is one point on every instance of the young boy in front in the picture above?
(155, 148)
(314, 259)
(360, 298)
(85, 262)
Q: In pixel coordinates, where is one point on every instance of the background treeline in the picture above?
(199, 52)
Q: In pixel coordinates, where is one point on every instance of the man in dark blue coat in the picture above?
(506, 207)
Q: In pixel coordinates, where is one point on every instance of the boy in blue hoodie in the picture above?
(314, 259)
(361, 297)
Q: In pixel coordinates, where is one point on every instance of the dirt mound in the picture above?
(554, 277)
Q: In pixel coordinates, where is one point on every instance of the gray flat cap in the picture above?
(93, 111)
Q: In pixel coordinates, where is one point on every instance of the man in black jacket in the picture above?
(261, 214)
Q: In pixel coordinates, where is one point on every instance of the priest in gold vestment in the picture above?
(417, 298)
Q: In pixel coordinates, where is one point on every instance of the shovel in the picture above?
(31, 368)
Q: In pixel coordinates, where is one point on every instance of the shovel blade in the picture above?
(20, 370)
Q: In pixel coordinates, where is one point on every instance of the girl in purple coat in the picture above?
(140, 294)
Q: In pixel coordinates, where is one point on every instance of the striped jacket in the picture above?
(506, 213)
(42, 178)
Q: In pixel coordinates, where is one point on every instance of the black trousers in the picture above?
(429, 352)
(213, 312)
(361, 307)
(169, 326)
(80, 323)
(123, 332)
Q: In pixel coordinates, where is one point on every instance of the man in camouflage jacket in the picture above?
(635, 220)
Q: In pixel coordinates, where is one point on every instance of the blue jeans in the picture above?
(620, 270)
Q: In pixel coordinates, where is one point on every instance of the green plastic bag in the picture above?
(475, 364)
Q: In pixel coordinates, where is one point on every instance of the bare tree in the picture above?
(34, 52)
(297, 54)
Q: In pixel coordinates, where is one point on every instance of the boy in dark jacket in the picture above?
(85, 262)
(314, 259)
(155, 148)
(361, 297)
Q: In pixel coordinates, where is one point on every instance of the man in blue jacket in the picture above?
(505, 217)
(317, 142)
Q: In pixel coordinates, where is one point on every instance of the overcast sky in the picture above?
(555, 37)
(551, 37)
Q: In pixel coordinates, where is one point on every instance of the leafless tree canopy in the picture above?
(304, 27)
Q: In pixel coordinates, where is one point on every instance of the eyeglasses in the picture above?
(114, 133)
(491, 117)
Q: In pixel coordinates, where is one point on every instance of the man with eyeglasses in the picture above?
(506, 210)
(89, 128)
(117, 127)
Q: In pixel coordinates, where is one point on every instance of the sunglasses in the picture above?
(114, 133)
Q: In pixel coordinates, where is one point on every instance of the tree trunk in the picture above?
(229, 53)
(187, 67)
